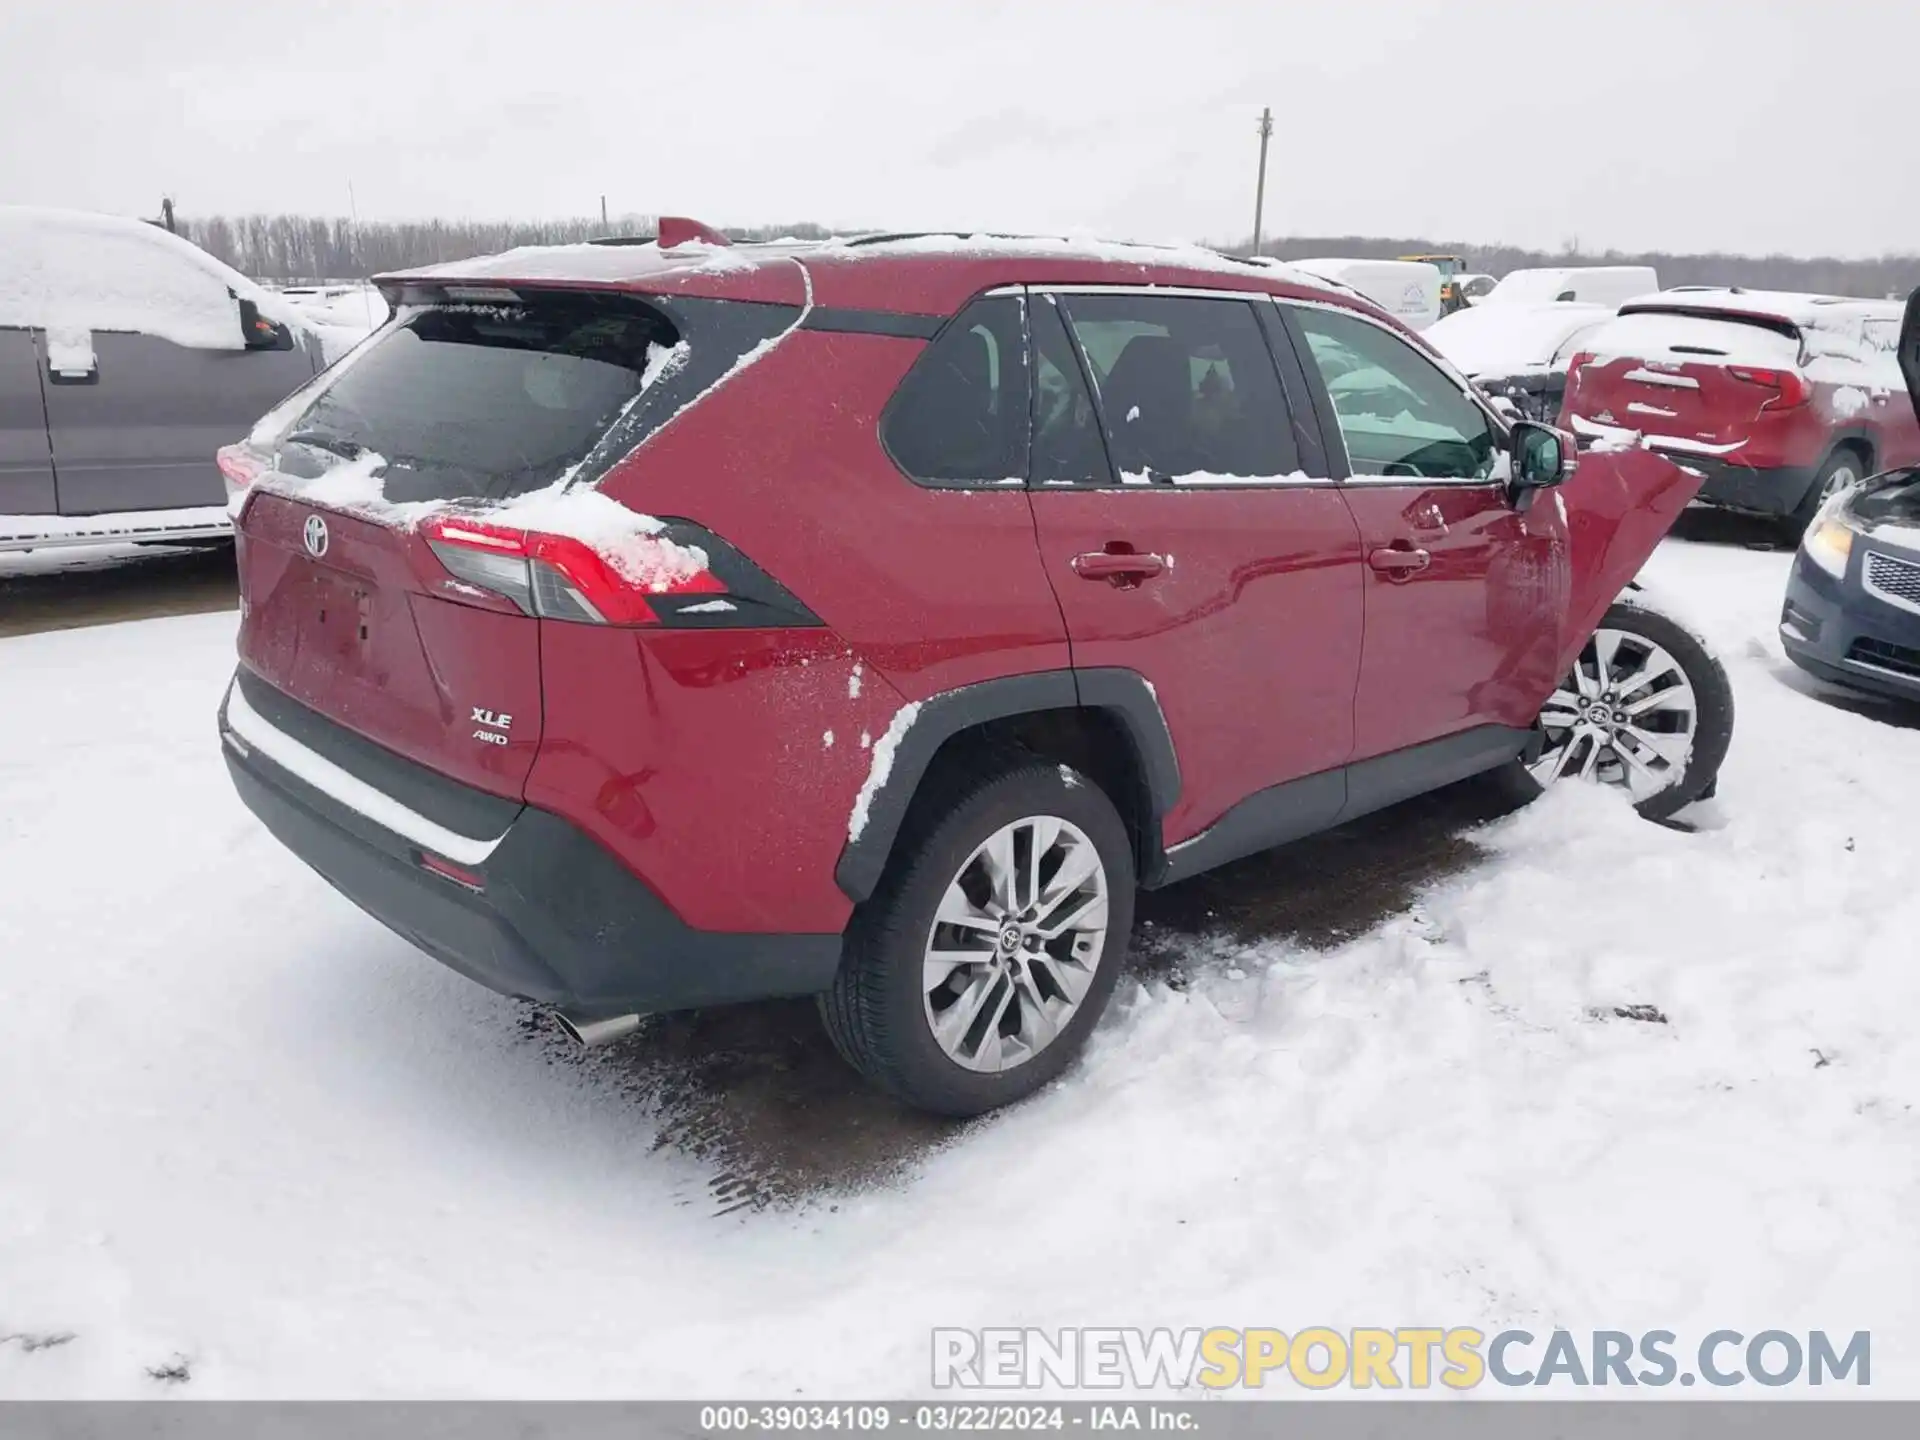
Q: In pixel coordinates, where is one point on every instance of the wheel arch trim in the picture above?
(1123, 694)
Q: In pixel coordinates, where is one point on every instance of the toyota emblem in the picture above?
(316, 536)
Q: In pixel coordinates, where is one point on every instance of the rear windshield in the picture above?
(489, 401)
(1698, 339)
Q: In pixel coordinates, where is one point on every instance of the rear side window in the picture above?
(489, 401)
(1187, 388)
(960, 417)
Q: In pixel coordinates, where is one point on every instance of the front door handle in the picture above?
(1121, 568)
(1398, 561)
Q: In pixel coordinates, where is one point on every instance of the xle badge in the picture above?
(496, 724)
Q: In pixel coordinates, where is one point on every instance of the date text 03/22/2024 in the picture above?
(964, 1418)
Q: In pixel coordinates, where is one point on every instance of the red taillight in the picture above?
(239, 467)
(554, 576)
(1792, 385)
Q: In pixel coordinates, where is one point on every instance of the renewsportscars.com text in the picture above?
(1405, 1358)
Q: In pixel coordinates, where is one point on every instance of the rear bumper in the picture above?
(1726, 481)
(1776, 490)
(553, 917)
(1537, 394)
(1834, 630)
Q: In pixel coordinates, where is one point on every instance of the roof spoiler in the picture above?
(1653, 305)
(678, 230)
(1910, 350)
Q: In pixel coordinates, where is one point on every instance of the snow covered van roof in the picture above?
(931, 274)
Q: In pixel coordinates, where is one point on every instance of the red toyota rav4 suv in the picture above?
(637, 627)
(1779, 401)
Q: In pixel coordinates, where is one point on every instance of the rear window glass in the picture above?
(1685, 339)
(960, 416)
(489, 401)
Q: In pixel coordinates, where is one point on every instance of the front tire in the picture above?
(976, 970)
(1645, 707)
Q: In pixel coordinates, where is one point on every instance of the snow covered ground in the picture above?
(245, 1130)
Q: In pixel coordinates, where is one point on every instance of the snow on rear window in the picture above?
(1688, 339)
(76, 271)
(486, 401)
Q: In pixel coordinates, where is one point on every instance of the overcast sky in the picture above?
(1748, 125)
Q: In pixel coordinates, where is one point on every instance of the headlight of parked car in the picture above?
(1829, 539)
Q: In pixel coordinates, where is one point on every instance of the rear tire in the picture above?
(960, 1016)
(1668, 751)
(1846, 466)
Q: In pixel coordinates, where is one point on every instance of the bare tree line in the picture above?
(308, 247)
(304, 247)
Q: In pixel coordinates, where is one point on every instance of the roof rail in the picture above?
(888, 237)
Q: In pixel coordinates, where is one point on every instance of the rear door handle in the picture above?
(1120, 569)
(1398, 561)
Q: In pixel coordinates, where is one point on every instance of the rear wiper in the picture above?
(332, 444)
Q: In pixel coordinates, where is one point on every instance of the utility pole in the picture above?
(166, 213)
(1260, 189)
(603, 215)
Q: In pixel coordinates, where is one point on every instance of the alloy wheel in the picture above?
(1843, 477)
(1014, 946)
(1626, 715)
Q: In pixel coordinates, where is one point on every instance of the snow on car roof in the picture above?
(1794, 308)
(596, 261)
(1510, 339)
(86, 271)
(645, 262)
(960, 244)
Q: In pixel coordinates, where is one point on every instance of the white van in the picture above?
(1586, 284)
(1408, 290)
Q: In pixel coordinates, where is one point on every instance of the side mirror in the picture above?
(261, 333)
(70, 356)
(1542, 455)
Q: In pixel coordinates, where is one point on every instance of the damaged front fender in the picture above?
(1619, 505)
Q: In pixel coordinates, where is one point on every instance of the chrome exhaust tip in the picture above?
(591, 1033)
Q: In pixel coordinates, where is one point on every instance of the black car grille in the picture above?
(1895, 579)
(1900, 659)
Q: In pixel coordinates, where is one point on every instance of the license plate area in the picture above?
(342, 614)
